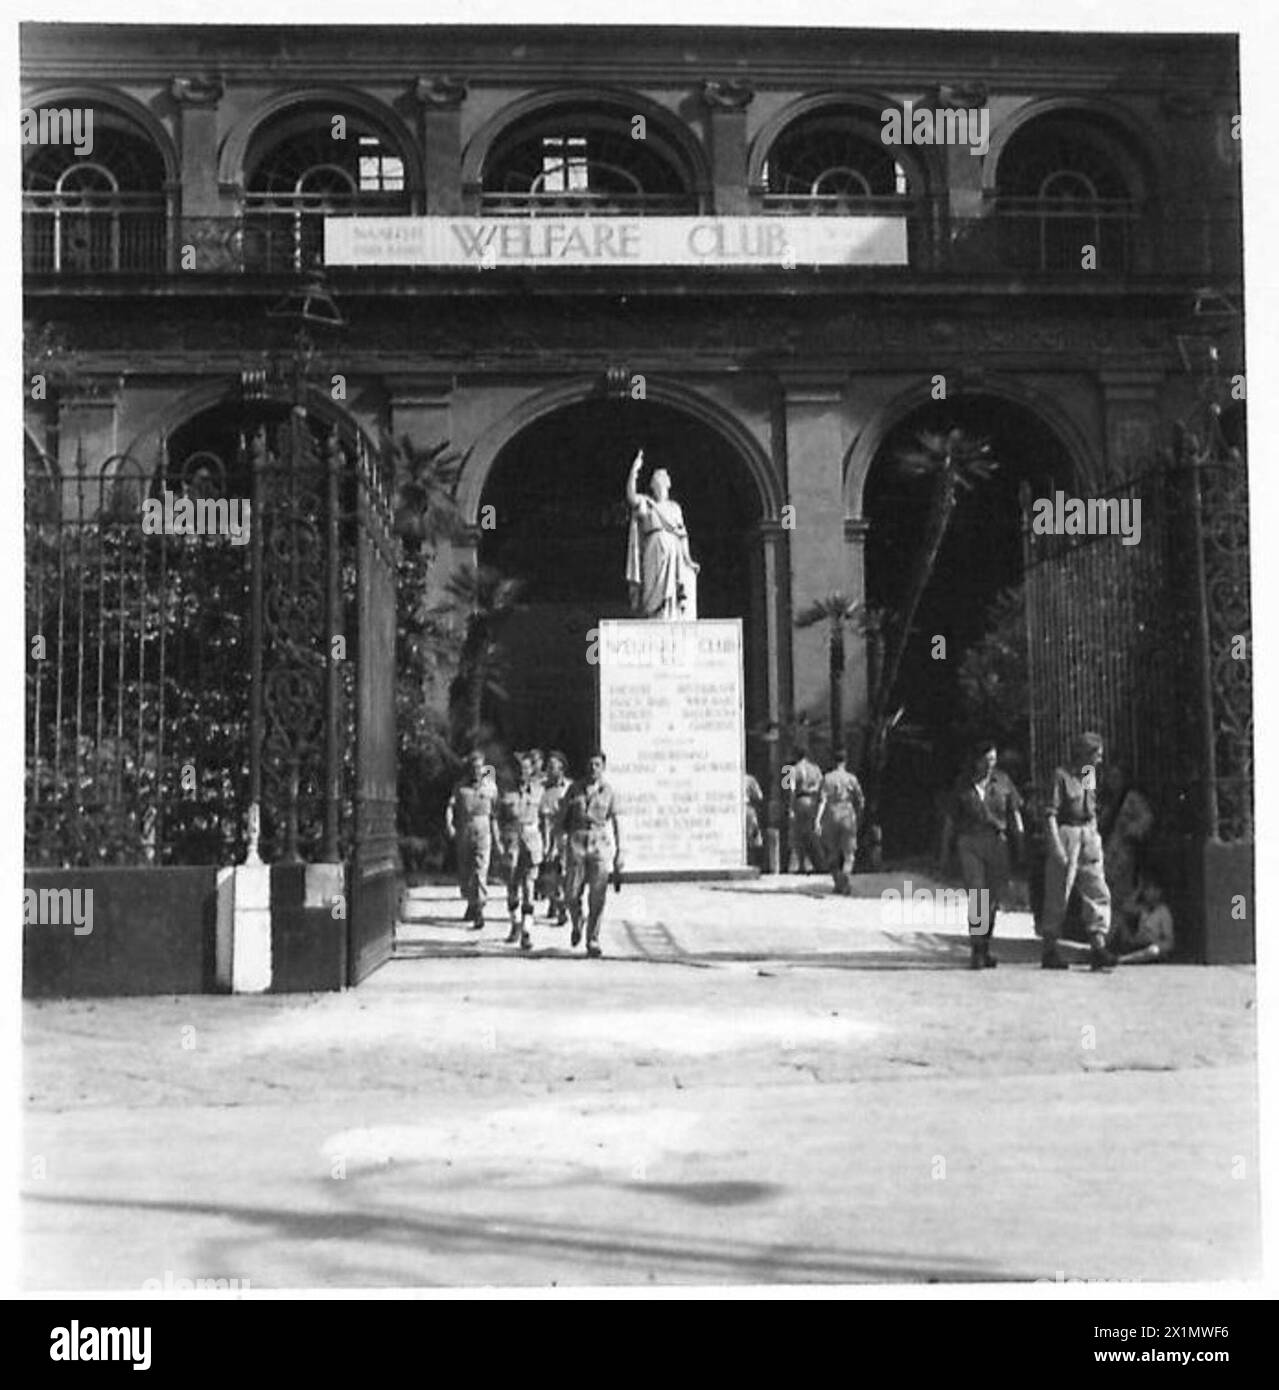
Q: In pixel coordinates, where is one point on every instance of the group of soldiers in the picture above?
(545, 834)
(1089, 858)
(557, 838)
(1091, 855)
(823, 813)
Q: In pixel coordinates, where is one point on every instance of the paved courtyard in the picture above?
(760, 1083)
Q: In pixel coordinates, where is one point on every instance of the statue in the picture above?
(660, 571)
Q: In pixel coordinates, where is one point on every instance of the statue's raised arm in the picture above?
(632, 491)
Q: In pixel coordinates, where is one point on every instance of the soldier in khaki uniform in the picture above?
(552, 840)
(468, 819)
(519, 839)
(839, 808)
(804, 787)
(983, 825)
(588, 820)
(1075, 862)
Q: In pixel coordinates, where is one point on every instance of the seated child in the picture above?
(1151, 938)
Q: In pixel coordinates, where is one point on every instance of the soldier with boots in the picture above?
(468, 819)
(1075, 860)
(519, 836)
(804, 785)
(983, 823)
(588, 820)
(553, 842)
(839, 809)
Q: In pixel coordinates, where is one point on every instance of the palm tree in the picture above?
(486, 596)
(837, 612)
(426, 492)
(955, 462)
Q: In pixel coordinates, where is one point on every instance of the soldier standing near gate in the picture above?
(519, 835)
(588, 820)
(983, 816)
(804, 784)
(1074, 859)
(553, 840)
(839, 810)
(468, 819)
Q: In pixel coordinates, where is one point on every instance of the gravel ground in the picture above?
(760, 1083)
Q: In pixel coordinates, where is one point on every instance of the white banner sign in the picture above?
(488, 243)
(672, 727)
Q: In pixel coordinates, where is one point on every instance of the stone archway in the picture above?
(549, 510)
(964, 655)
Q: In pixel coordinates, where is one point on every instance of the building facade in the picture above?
(1064, 257)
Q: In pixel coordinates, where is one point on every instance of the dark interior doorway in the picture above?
(559, 525)
(980, 560)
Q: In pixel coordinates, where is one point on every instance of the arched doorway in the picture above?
(558, 523)
(974, 684)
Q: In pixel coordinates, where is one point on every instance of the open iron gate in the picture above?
(1142, 642)
(322, 688)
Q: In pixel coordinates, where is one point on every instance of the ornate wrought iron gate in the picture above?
(196, 700)
(322, 689)
(1142, 642)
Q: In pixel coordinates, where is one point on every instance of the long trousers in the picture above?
(983, 861)
(805, 847)
(839, 844)
(589, 855)
(1083, 871)
(518, 868)
(474, 849)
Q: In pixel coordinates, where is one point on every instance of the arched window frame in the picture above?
(117, 228)
(563, 127)
(284, 227)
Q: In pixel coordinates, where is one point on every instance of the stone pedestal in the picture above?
(671, 722)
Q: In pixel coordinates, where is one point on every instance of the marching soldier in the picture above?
(983, 813)
(553, 840)
(839, 809)
(1075, 862)
(804, 785)
(539, 767)
(519, 835)
(588, 820)
(468, 818)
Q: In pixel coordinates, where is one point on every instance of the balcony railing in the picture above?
(1012, 236)
(590, 203)
(1048, 236)
(93, 234)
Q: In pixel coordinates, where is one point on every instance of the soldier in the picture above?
(519, 837)
(552, 840)
(1075, 860)
(983, 815)
(804, 786)
(468, 818)
(588, 820)
(839, 808)
(539, 767)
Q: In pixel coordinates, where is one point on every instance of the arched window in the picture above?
(585, 161)
(102, 211)
(308, 166)
(833, 162)
(1066, 183)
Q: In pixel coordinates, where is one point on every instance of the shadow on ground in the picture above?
(593, 1249)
